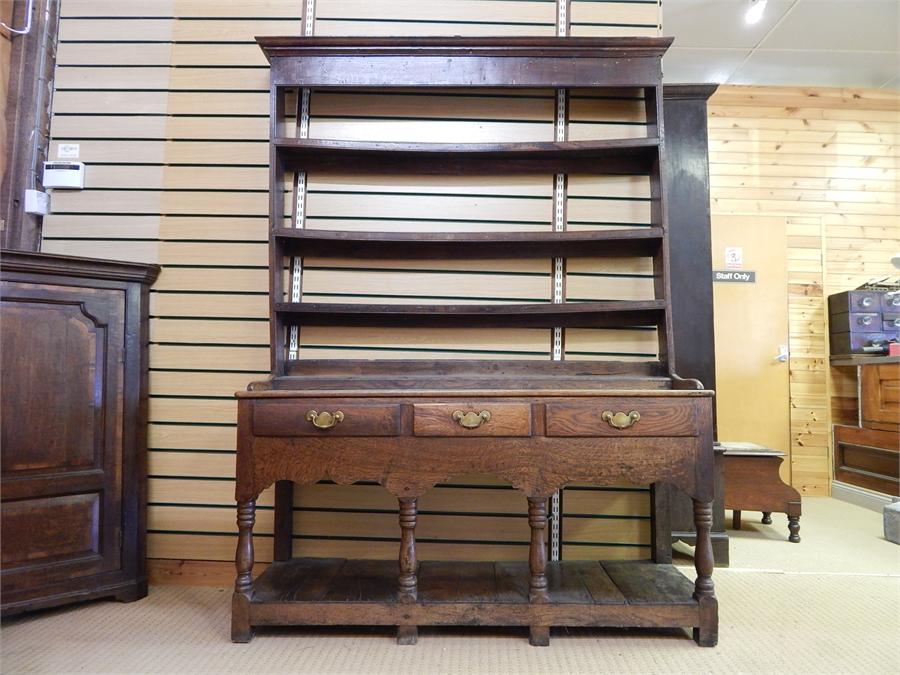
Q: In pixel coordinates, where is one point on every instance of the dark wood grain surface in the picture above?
(658, 417)
(507, 419)
(73, 404)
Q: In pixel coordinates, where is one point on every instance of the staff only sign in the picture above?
(735, 276)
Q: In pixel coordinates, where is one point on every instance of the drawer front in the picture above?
(864, 301)
(324, 418)
(891, 303)
(862, 322)
(622, 417)
(472, 418)
(891, 321)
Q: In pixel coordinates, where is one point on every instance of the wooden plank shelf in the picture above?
(326, 591)
(620, 313)
(620, 156)
(643, 241)
(515, 62)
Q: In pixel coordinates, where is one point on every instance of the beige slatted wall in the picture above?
(826, 160)
(168, 101)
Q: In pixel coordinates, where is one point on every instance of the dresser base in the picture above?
(334, 591)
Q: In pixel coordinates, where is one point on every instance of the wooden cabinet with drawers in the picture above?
(73, 406)
(867, 454)
(409, 425)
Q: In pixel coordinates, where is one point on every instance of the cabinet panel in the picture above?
(881, 396)
(54, 421)
(51, 529)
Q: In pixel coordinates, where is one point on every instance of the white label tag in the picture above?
(68, 151)
(734, 257)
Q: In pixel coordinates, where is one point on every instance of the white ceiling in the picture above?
(828, 43)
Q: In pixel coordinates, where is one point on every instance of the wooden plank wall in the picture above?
(168, 102)
(827, 161)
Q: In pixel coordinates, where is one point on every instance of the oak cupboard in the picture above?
(74, 409)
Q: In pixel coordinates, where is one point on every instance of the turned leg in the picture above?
(794, 527)
(407, 635)
(241, 630)
(767, 518)
(736, 519)
(707, 633)
(537, 562)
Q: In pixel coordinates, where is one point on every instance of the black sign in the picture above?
(735, 276)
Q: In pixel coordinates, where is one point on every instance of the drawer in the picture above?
(869, 321)
(299, 418)
(472, 418)
(613, 417)
(891, 303)
(891, 321)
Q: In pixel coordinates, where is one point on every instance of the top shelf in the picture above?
(464, 61)
(531, 47)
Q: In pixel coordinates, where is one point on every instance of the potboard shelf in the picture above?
(327, 583)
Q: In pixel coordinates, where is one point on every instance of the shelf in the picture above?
(429, 62)
(611, 593)
(863, 359)
(292, 46)
(618, 156)
(643, 241)
(471, 375)
(544, 315)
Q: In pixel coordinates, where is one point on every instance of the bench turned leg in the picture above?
(538, 636)
(794, 527)
(707, 633)
(736, 519)
(767, 518)
(408, 581)
(241, 630)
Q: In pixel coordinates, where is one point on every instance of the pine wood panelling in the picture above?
(168, 102)
(827, 160)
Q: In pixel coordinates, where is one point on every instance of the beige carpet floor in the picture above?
(828, 605)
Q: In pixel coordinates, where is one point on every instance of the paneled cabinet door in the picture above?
(63, 364)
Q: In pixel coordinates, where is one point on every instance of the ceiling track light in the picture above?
(755, 11)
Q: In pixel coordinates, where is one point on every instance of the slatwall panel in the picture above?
(169, 103)
(827, 160)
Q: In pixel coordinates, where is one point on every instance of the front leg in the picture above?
(408, 581)
(241, 630)
(539, 635)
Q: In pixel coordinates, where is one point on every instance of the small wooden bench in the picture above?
(752, 483)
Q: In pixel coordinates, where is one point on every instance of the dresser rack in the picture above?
(409, 425)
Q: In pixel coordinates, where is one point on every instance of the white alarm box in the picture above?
(66, 175)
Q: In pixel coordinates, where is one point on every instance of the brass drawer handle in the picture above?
(324, 420)
(620, 420)
(471, 420)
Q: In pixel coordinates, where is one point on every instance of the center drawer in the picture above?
(472, 418)
(324, 417)
(623, 416)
